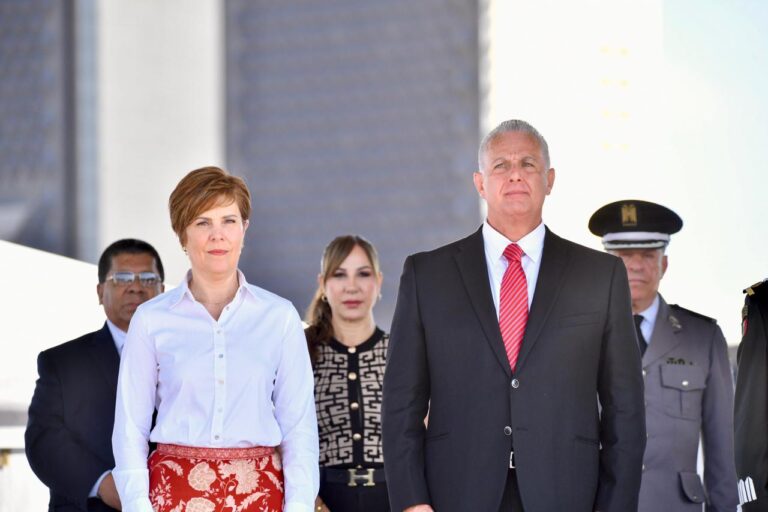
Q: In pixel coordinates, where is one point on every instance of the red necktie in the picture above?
(513, 304)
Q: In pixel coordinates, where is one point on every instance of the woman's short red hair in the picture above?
(203, 189)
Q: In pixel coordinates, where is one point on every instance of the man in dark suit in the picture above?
(521, 346)
(688, 385)
(69, 431)
(751, 408)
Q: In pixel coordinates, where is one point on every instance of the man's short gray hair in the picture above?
(513, 125)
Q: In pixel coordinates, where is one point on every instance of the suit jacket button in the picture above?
(515, 383)
(507, 430)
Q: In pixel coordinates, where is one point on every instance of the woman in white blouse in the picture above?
(225, 364)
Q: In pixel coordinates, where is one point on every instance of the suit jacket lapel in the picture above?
(474, 272)
(663, 337)
(105, 356)
(554, 260)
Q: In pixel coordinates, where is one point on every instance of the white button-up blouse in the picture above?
(244, 380)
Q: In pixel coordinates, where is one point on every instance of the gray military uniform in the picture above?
(688, 390)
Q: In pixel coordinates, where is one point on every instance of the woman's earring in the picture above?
(185, 250)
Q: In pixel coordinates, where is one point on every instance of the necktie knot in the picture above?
(513, 252)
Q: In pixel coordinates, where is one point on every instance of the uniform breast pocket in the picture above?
(683, 389)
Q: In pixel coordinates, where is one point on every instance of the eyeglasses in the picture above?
(147, 279)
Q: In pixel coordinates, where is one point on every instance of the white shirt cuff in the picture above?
(95, 490)
(298, 507)
(138, 505)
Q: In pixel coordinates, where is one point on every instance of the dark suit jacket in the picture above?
(69, 433)
(751, 403)
(446, 352)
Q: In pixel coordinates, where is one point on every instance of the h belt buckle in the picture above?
(366, 477)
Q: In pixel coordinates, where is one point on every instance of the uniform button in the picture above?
(515, 383)
(507, 430)
(685, 383)
(352, 350)
(644, 373)
(643, 467)
(354, 406)
(356, 437)
(352, 376)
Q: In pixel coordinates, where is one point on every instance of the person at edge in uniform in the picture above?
(509, 337)
(226, 365)
(751, 403)
(688, 385)
(348, 354)
(69, 431)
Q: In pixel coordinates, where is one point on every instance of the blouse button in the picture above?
(352, 376)
(354, 406)
(352, 350)
(356, 437)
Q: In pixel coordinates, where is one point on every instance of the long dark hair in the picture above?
(319, 312)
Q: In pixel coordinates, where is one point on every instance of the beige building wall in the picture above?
(161, 113)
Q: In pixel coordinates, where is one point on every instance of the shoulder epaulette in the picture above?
(693, 313)
(754, 288)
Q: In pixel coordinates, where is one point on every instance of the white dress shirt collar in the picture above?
(532, 244)
(495, 243)
(183, 292)
(649, 319)
(118, 335)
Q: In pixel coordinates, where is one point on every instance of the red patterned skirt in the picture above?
(189, 479)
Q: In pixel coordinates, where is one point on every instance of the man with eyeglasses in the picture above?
(69, 431)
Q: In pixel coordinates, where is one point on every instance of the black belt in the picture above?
(366, 477)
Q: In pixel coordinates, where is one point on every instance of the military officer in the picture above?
(751, 405)
(688, 385)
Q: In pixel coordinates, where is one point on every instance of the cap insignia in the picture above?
(628, 215)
